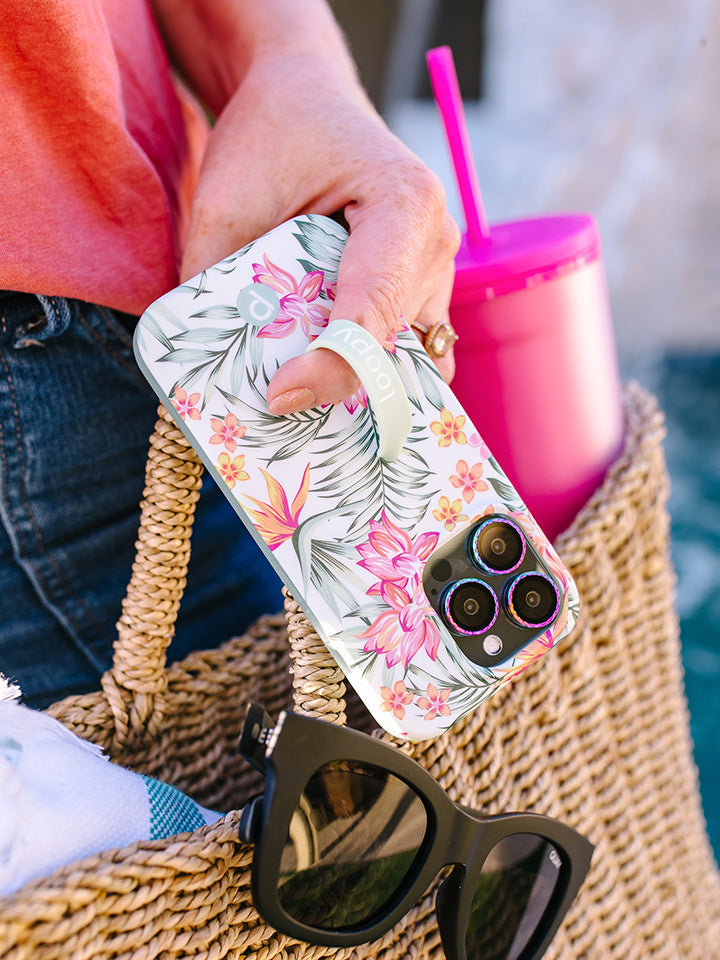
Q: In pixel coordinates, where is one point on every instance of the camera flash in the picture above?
(492, 644)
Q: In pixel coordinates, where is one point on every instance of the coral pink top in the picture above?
(99, 153)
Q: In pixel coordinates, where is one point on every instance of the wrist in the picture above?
(217, 43)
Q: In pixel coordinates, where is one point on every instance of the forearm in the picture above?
(215, 42)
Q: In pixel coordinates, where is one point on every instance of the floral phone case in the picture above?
(386, 557)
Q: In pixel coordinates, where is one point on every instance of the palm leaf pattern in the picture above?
(426, 384)
(277, 438)
(215, 349)
(324, 244)
(353, 476)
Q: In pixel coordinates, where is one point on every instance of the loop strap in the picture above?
(386, 394)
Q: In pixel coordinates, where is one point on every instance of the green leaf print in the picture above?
(506, 492)
(323, 241)
(204, 335)
(282, 436)
(349, 471)
(193, 377)
(229, 263)
(310, 267)
(428, 375)
(201, 287)
(202, 362)
(328, 565)
(151, 327)
(222, 311)
(361, 662)
(184, 356)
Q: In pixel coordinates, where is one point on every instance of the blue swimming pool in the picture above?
(688, 388)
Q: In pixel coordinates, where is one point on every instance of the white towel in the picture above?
(61, 799)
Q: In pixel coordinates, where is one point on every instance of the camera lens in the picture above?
(497, 546)
(533, 600)
(469, 606)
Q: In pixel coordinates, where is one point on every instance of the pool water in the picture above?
(688, 389)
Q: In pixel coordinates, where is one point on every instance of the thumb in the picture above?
(373, 280)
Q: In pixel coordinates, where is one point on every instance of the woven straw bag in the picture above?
(595, 734)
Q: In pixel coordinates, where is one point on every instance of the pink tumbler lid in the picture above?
(522, 253)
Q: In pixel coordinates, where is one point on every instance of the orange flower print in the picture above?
(232, 470)
(396, 699)
(557, 568)
(449, 513)
(278, 520)
(526, 657)
(448, 428)
(185, 405)
(468, 479)
(435, 702)
(488, 511)
(227, 431)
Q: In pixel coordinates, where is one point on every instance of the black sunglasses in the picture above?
(350, 832)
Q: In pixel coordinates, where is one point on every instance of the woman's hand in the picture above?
(298, 135)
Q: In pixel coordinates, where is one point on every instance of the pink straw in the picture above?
(446, 89)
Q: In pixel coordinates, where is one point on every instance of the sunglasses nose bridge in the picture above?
(463, 838)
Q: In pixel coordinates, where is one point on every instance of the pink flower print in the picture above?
(476, 441)
(227, 431)
(468, 479)
(449, 428)
(358, 399)
(390, 341)
(297, 300)
(404, 628)
(435, 702)
(396, 699)
(391, 555)
(449, 513)
(232, 470)
(184, 404)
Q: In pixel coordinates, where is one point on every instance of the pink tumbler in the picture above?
(536, 363)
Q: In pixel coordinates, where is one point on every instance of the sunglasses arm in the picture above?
(251, 820)
(257, 730)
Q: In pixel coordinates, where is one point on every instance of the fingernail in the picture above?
(302, 398)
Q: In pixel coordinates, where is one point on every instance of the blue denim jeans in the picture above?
(75, 418)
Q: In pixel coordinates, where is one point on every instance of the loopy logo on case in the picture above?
(258, 304)
(367, 349)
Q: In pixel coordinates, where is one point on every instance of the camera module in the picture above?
(497, 546)
(533, 600)
(469, 606)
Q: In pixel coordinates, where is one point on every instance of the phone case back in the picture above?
(348, 533)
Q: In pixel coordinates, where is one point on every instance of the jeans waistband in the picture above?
(28, 318)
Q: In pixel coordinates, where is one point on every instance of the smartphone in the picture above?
(424, 574)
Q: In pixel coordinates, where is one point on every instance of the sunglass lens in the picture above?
(352, 842)
(511, 897)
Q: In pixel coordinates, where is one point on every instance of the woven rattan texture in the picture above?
(595, 734)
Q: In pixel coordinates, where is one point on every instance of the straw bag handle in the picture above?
(136, 685)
